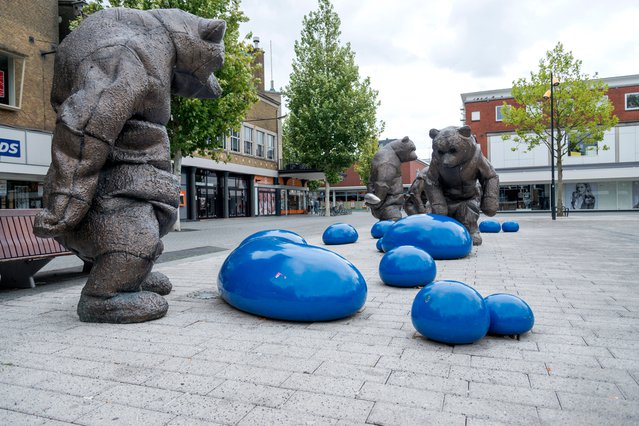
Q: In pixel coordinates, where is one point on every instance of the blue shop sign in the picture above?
(9, 147)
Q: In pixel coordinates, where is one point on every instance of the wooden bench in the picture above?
(22, 254)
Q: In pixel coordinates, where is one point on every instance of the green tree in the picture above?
(582, 113)
(332, 112)
(365, 160)
(196, 125)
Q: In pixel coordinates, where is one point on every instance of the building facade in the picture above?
(602, 176)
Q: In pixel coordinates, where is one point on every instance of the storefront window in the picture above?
(523, 197)
(20, 194)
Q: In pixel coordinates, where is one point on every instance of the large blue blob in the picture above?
(378, 244)
(489, 226)
(441, 236)
(280, 233)
(509, 315)
(450, 312)
(510, 226)
(379, 229)
(407, 266)
(278, 279)
(340, 233)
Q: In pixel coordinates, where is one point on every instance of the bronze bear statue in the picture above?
(110, 194)
(460, 181)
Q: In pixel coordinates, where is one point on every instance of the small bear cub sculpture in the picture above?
(460, 181)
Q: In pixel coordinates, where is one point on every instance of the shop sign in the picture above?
(9, 147)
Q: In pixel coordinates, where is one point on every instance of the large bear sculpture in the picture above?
(460, 181)
(385, 191)
(109, 194)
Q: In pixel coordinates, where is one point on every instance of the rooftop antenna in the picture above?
(270, 44)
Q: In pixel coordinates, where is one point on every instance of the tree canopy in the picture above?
(332, 112)
(582, 113)
(196, 124)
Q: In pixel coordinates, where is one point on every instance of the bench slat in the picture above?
(17, 239)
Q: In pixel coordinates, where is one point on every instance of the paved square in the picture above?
(207, 363)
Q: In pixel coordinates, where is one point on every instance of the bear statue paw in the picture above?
(476, 236)
(158, 283)
(372, 199)
(122, 308)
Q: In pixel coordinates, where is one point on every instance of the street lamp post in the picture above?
(550, 94)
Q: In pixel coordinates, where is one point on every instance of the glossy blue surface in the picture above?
(340, 233)
(407, 266)
(441, 236)
(278, 279)
(510, 226)
(379, 229)
(509, 314)
(489, 226)
(378, 244)
(281, 233)
(450, 312)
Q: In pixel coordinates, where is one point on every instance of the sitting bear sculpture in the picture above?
(385, 190)
(460, 181)
(109, 194)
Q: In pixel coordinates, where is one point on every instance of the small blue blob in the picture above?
(379, 229)
(378, 244)
(441, 236)
(489, 226)
(510, 226)
(275, 278)
(280, 233)
(509, 315)
(340, 233)
(407, 266)
(450, 312)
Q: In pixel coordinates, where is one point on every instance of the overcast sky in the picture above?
(421, 54)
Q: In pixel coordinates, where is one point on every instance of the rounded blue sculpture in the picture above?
(340, 233)
(379, 229)
(278, 279)
(489, 226)
(407, 266)
(280, 233)
(510, 226)
(441, 236)
(378, 244)
(509, 315)
(450, 312)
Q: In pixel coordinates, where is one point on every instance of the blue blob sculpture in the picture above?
(489, 227)
(509, 315)
(407, 266)
(378, 244)
(379, 229)
(450, 312)
(510, 226)
(441, 236)
(340, 233)
(278, 279)
(280, 233)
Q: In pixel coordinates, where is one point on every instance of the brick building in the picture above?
(606, 173)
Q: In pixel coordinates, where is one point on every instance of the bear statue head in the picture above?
(199, 52)
(452, 146)
(404, 148)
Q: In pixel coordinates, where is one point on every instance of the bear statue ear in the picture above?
(433, 133)
(464, 131)
(212, 30)
(405, 139)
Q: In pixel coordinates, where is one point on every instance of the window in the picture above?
(581, 146)
(235, 141)
(248, 140)
(270, 150)
(474, 116)
(259, 144)
(10, 83)
(632, 101)
(498, 114)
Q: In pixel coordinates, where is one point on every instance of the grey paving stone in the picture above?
(15, 418)
(409, 379)
(138, 396)
(117, 414)
(514, 394)
(368, 360)
(353, 372)
(562, 417)
(392, 414)
(182, 382)
(402, 395)
(272, 416)
(323, 384)
(208, 408)
(329, 406)
(85, 387)
(491, 410)
(615, 406)
(484, 375)
(581, 386)
(251, 393)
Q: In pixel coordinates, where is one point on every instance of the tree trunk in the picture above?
(327, 198)
(177, 170)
